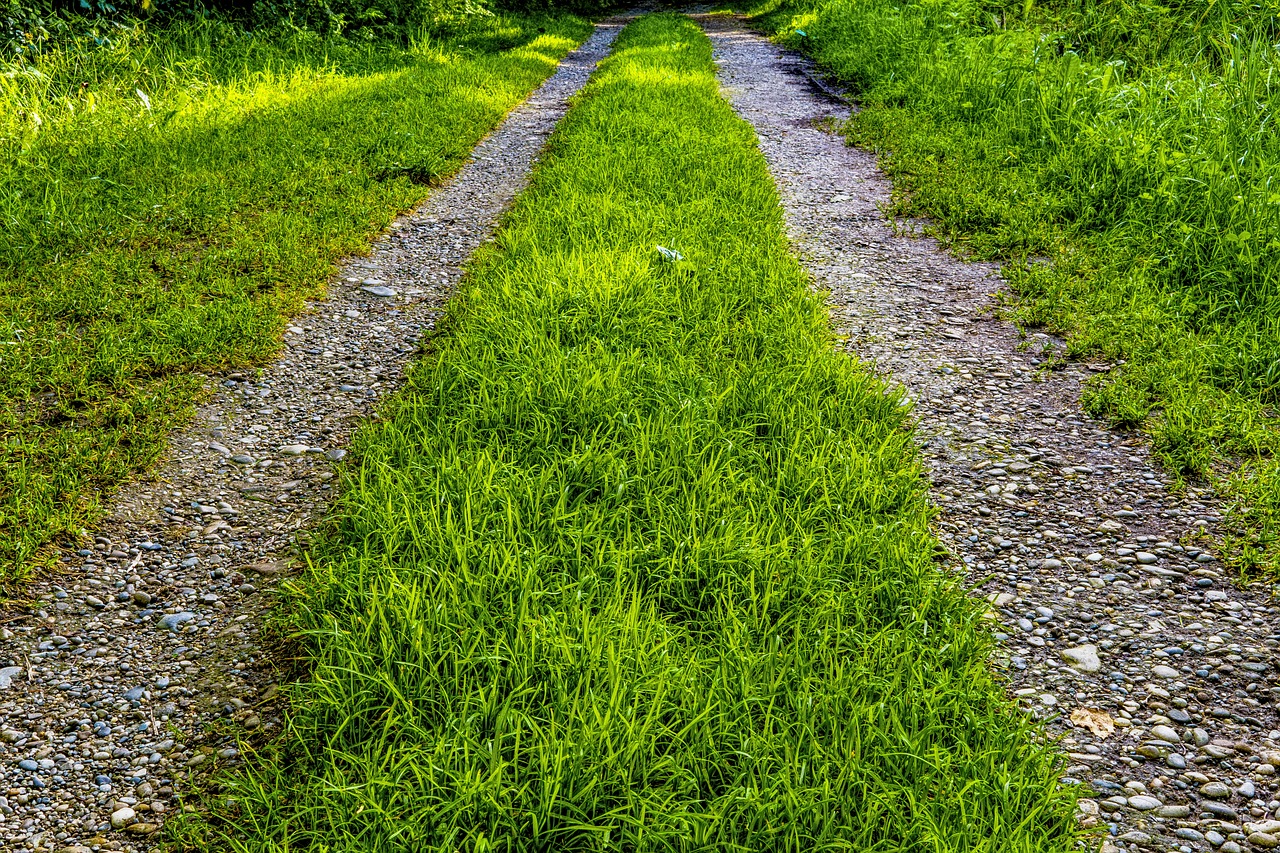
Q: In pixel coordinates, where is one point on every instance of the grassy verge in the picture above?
(1121, 159)
(638, 561)
(165, 200)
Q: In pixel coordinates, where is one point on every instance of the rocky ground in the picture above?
(138, 664)
(1119, 627)
(140, 661)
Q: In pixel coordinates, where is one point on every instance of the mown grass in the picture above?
(1122, 160)
(167, 199)
(638, 562)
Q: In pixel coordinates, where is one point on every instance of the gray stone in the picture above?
(174, 620)
(1221, 811)
(1083, 658)
(1215, 790)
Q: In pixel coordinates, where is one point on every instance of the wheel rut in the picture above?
(1117, 625)
(133, 665)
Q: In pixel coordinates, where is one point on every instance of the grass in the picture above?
(167, 199)
(638, 561)
(1121, 159)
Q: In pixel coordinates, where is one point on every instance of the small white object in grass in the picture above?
(670, 254)
(142, 96)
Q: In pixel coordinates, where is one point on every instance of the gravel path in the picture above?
(130, 668)
(1113, 610)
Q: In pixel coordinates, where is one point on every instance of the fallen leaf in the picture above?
(269, 568)
(1098, 722)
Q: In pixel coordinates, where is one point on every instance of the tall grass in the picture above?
(1131, 146)
(166, 199)
(639, 562)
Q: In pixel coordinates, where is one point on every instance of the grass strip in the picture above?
(638, 561)
(1120, 159)
(167, 199)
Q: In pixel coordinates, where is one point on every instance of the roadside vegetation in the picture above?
(170, 192)
(638, 561)
(1122, 159)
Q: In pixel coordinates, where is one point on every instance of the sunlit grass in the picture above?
(166, 201)
(1136, 152)
(639, 561)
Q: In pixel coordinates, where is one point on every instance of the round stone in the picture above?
(1144, 803)
(1215, 790)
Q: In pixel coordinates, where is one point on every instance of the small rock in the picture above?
(122, 817)
(1215, 790)
(173, 620)
(6, 676)
(1143, 804)
(1083, 658)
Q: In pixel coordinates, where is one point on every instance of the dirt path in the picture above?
(1110, 598)
(115, 683)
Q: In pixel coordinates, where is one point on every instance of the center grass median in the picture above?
(638, 561)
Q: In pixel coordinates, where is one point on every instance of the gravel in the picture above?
(121, 678)
(1067, 527)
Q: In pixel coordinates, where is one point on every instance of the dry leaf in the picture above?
(267, 568)
(1098, 722)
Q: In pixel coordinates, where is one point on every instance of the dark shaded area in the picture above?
(28, 27)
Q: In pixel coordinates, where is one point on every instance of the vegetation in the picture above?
(639, 561)
(1121, 159)
(167, 198)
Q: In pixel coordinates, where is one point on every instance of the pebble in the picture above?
(1215, 790)
(173, 621)
(7, 675)
(1083, 658)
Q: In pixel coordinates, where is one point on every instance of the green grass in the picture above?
(638, 561)
(166, 200)
(1130, 146)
